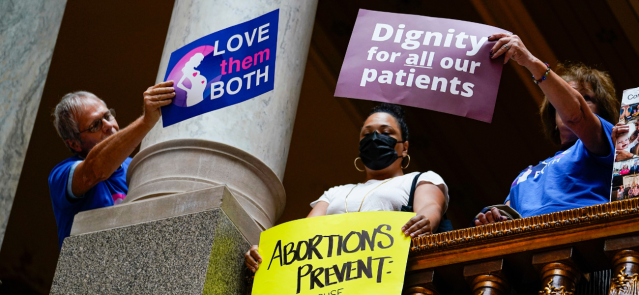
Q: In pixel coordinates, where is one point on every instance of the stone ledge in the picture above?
(166, 207)
(198, 253)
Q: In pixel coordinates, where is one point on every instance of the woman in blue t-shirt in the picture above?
(576, 113)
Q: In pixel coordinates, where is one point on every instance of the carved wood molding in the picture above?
(492, 283)
(420, 283)
(626, 265)
(552, 290)
(420, 291)
(487, 277)
(624, 284)
(561, 279)
(525, 226)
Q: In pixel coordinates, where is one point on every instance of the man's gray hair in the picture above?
(66, 112)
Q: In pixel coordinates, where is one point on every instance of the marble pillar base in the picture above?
(183, 165)
(190, 243)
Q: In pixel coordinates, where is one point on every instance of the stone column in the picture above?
(196, 187)
(243, 146)
(28, 32)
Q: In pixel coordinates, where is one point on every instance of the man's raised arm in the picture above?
(105, 157)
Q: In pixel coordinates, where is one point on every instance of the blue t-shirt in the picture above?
(66, 206)
(571, 179)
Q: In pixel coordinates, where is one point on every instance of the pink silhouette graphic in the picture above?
(195, 94)
(184, 69)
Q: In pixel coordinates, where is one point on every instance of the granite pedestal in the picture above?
(189, 243)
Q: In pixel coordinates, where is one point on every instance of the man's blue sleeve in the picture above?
(58, 183)
(70, 194)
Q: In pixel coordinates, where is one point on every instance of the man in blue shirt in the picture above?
(95, 176)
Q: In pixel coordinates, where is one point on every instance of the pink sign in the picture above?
(432, 63)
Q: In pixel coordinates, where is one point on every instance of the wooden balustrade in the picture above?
(546, 254)
(487, 278)
(625, 262)
(421, 283)
(557, 270)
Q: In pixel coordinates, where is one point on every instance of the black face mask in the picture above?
(377, 151)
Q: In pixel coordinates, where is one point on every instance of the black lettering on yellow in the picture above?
(358, 245)
(299, 252)
(278, 250)
(300, 275)
(287, 253)
(312, 248)
(315, 280)
(379, 230)
(342, 274)
(330, 245)
(366, 269)
(380, 267)
(328, 274)
(366, 239)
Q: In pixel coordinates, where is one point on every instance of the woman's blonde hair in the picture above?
(605, 96)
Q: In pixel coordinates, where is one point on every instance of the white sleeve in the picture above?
(328, 195)
(434, 178)
(324, 198)
(70, 181)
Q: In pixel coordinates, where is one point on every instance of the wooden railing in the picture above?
(546, 254)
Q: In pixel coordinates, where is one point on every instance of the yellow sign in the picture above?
(345, 254)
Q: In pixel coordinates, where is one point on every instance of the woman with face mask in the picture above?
(383, 147)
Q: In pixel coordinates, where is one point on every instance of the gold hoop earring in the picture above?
(360, 170)
(406, 163)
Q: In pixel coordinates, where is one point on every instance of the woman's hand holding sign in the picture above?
(513, 48)
(417, 226)
(252, 259)
(574, 102)
(429, 206)
(617, 131)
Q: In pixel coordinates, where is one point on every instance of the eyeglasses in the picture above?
(97, 124)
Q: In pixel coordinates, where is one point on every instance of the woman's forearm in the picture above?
(430, 202)
(568, 102)
(570, 105)
(572, 108)
(319, 209)
(434, 215)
